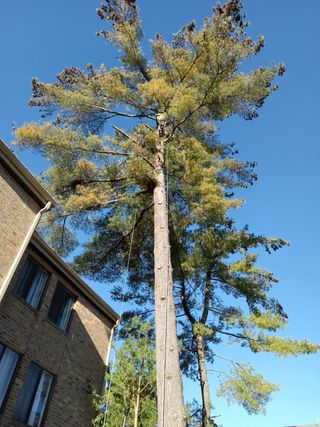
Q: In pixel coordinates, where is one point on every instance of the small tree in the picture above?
(130, 396)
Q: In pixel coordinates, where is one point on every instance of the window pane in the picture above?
(61, 307)
(28, 391)
(40, 400)
(57, 301)
(26, 272)
(65, 313)
(31, 282)
(8, 363)
(36, 289)
(34, 396)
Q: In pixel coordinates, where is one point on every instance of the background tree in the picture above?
(109, 185)
(130, 395)
(223, 293)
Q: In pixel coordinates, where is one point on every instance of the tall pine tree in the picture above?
(111, 182)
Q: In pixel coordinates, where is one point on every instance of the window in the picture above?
(8, 363)
(34, 396)
(31, 282)
(61, 307)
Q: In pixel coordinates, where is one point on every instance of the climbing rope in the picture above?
(117, 325)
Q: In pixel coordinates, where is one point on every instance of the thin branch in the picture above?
(181, 315)
(197, 56)
(119, 113)
(108, 152)
(100, 125)
(214, 310)
(202, 104)
(197, 411)
(235, 335)
(124, 236)
(123, 133)
(215, 370)
(89, 150)
(139, 219)
(103, 205)
(73, 184)
(148, 127)
(224, 358)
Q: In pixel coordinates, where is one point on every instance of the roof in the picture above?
(65, 270)
(24, 176)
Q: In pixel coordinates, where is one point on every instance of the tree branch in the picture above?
(89, 150)
(119, 113)
(123, 133)
(124, 236)
(235, 335)
(224, 358)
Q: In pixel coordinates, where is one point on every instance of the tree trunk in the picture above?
(137, 404)
(169, 383)
(205, 392)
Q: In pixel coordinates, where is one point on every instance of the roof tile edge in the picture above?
(24, 175)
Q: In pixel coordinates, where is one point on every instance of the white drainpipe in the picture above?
(106, 363)
(22, 249)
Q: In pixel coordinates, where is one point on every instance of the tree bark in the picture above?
(169, 384)
(205, 392)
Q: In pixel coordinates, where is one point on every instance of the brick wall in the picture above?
(17, 211)
(76, 357)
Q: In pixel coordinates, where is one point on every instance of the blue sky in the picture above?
(40, 38)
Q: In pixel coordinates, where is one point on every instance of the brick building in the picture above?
(54, 329)
(22, 200)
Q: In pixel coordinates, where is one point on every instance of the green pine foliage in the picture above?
(131, 383)
(243, 386)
